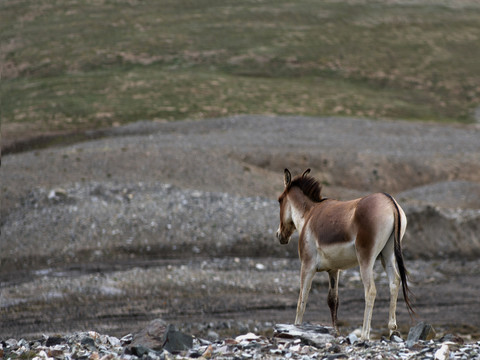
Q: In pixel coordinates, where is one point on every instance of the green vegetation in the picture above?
(77, 64)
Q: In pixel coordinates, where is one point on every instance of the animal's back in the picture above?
(341, 229)
(331, 221)
(331, 229)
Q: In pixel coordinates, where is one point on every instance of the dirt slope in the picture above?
(110, 233)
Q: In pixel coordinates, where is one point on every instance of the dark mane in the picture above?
(309, 186)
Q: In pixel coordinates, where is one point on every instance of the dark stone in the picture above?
(54, 340)
(88, 342)
(421, 331)
(139, 351)
(322, 330)
(337, 356)
(335, 348)
(364, 344)
(177, 341)
(194, 354)
(159, 335)
(152, 337)
(452, 338)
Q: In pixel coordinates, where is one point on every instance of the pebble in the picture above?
(397, 339)
(352, 338)
(288, 342)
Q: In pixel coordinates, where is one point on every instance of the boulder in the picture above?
(176, 341)
(314, 335)
(421, 331)
(159, 335)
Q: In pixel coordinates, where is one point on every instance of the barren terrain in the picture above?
(177, 220)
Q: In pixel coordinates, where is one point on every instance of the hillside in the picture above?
(75, 65)
(170, 219)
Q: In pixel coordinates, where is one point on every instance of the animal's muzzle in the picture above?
(282, 238)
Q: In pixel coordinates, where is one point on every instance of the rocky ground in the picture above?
(177, 220)
(160, 340)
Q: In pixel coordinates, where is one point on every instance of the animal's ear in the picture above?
(288, 178)
(306, 172)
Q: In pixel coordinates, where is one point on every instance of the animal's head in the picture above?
(287, 226)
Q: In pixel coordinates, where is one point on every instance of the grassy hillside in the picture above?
(77, 64)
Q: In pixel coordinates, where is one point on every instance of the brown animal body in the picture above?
(336, 235)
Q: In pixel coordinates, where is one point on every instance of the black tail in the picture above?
(399, 257)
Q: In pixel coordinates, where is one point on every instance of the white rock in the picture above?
(247, 337)
(295, 348)
(11, 342)
(352, 338)
(260, 266)
(443, 353)
(113, 341)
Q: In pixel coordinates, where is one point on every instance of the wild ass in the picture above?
(337, 235)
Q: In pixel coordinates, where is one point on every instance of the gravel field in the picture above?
(177, 220)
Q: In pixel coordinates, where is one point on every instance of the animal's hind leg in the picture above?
(333, 297)
(366, 271)
(306, 278)
(389, 264)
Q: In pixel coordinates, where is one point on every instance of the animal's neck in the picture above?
(298, 218)
(301, 205)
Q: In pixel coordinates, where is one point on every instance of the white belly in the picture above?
(337, 257)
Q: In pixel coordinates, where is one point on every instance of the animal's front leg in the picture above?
(306, 278)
